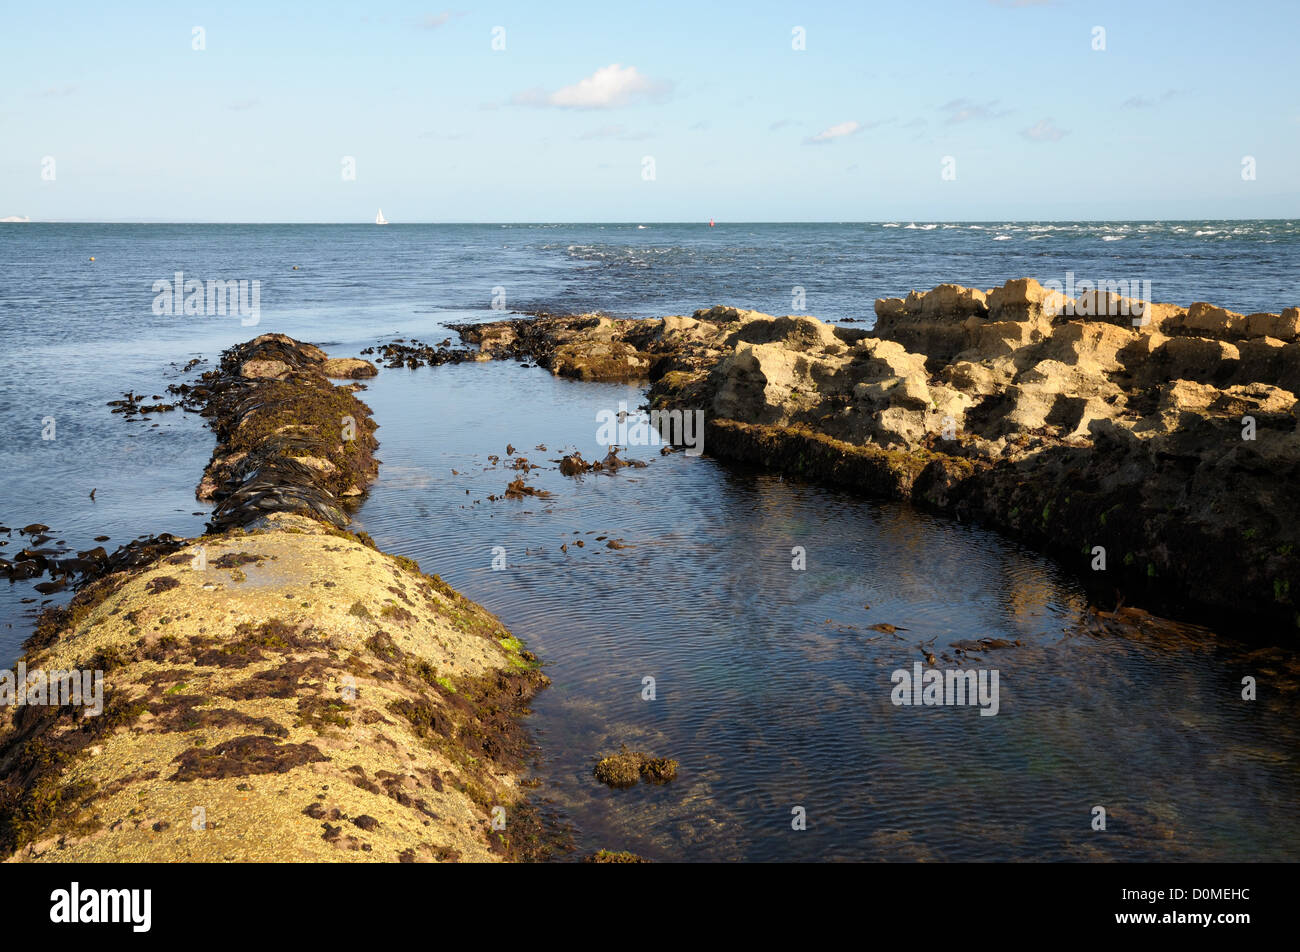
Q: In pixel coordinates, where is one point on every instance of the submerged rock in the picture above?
(614, 856)
(626, 767)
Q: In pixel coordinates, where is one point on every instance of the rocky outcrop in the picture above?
(277, 689)
(287, 439)
(1150, 447)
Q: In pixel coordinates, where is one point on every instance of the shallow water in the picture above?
(771, 692)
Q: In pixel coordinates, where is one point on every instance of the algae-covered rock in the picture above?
(236, 704)
(614, 856)
(265, 684)
(626, 767)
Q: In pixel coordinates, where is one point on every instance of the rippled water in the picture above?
(772, 692)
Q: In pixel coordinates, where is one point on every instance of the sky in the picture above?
(519, 112)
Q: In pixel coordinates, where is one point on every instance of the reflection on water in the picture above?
(773, 691)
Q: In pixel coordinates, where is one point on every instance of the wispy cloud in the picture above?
(837, 131)
(244, 104)
(964, 110)
(435, 21)
(52, 92)
(1044, 130)
(1141, 102)
(608, 87)
(781, 124)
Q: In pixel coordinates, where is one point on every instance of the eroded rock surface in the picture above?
(1159, 439)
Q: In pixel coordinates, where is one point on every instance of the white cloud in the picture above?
(837, 131)
(608, 87)
(1043, 131)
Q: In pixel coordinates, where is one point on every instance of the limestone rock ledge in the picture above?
(1163, 438)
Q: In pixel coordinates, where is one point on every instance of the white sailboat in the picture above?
(380, 219)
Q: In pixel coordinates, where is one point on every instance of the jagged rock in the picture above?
(1064, 422)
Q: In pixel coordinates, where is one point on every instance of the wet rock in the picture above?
(348, 368)
(289, 441)
(614, 856)
(413, 354)
(626, 767)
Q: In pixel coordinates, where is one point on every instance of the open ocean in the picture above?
(771, 692)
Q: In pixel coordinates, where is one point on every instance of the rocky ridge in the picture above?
(1150, 447)
(277, 689)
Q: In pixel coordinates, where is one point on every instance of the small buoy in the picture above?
(295, 267)
(92, 257)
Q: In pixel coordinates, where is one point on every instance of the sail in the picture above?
(379, 218)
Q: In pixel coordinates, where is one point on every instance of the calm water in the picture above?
(771, 690)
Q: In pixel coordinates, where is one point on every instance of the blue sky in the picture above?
(740, 125)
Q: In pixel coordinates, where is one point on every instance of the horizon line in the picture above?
(702, 222)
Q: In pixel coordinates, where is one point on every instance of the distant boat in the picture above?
(15, 219)
(710, 222)
(379, 218)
